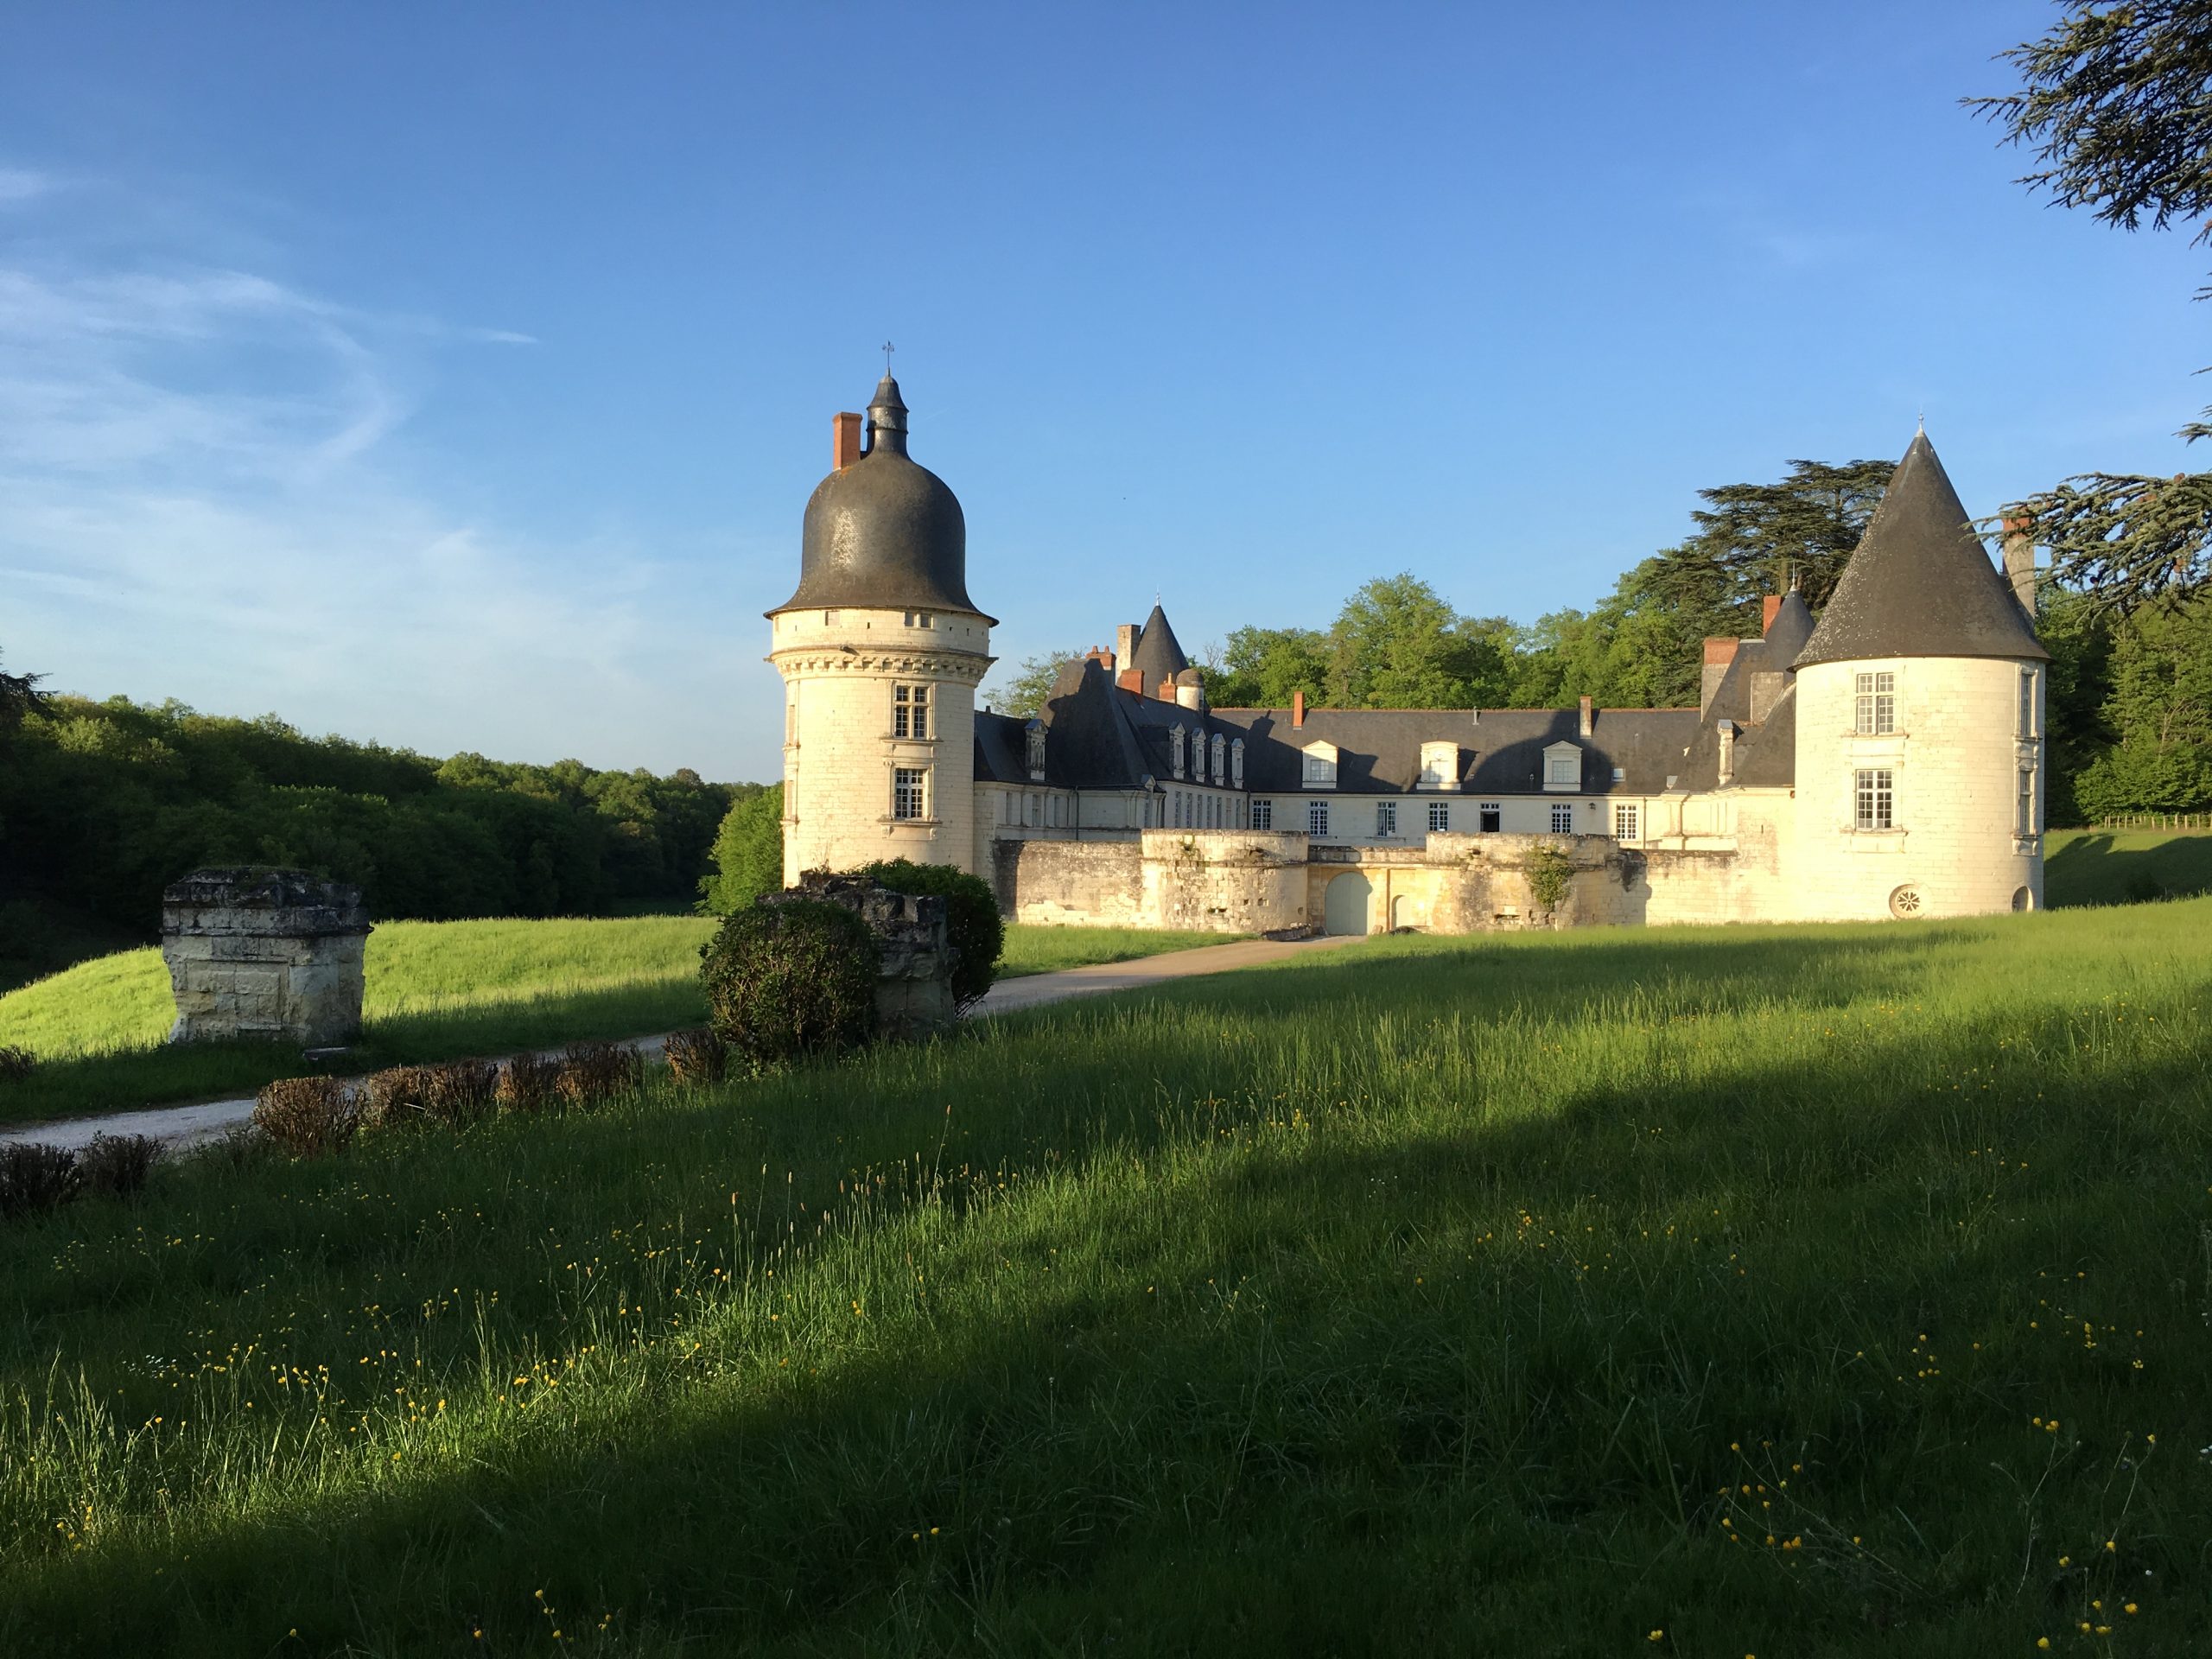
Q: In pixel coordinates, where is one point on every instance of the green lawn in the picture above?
(2119, 867)
(436, 990)
(1776, 1291)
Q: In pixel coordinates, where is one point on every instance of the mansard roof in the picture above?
(1501, 751)
(1921, 584)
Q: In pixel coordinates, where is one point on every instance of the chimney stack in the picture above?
(1131, 679)
(1297, 709)
(1103, 658)
(1125, 641)
(2020, 560)
(1767, 607)
(1719, 652)
(1586, 716)
(845, 439)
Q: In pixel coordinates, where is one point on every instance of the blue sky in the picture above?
(456, 377)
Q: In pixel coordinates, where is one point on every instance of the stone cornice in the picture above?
(968, 667)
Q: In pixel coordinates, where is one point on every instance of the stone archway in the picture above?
(1403, 912)
(1345, 904)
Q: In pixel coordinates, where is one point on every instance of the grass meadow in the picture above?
(1750, 1291)
(2124, 866)
(434, 991)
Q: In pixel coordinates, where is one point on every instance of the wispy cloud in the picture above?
(20, 184)
(199, 498)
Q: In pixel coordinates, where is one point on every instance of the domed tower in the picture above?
(881, 650)
(1920, 722)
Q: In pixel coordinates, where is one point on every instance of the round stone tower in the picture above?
(880, 650)
(1920, 722)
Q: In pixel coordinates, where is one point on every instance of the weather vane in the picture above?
(888, 349)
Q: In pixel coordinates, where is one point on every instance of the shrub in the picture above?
(393, 1099)
(34, 1177)
(16, 1065)
(748, 854)
(308, 1117)
(973, 925)
(697, 1056)
(1550, 870)
(117, 1166)
(460, 1091)
(528, 1083)
(590, 1072)
(790, 979)
(241, 1146)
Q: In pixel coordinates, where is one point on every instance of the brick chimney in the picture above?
(1103, 658)
(1586, 716)
(1131, 679)
(2020, 560)
(1718, 654)
(1767, 607)
(845, 439)
(1297, 709)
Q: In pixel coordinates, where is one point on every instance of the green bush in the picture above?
(972, 920)
(748, 854)
(1550, 871)
(790, 979)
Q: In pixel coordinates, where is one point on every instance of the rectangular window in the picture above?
(2027, 702)
(910, 711)
(2026, 816)
(1624, 819)
(829, 619)
(1439, 814)
(919, 620)
(1562, 768)
(1317, 817)
(1491, 818)
(1563, 819)
(1876, 711)
(909, 793)
(1263, 815)
(1386, 817)
(1875, 794)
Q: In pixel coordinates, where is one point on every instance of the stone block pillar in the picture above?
(913, 984)
(273, 954)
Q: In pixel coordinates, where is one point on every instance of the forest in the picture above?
(104, 803)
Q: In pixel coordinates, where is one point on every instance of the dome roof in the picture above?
(883, 533)
(1921, 584)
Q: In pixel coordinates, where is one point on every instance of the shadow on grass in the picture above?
(2103, 870)
(123, 1079)
(1322, 1388)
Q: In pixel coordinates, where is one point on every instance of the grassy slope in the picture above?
(2118, 866)
(436, 990)
(1469, 1295)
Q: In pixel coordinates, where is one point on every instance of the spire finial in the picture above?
(888, 349)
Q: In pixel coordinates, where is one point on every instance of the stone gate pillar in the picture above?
(273, 954)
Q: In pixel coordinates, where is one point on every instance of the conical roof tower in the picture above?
(1159, 654)
(1921, 584)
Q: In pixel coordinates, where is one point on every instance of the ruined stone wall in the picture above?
(272, 954)
(1224, 880)
(1082, 883)
(913, 983)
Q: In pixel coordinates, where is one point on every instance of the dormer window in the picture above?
(1220, 760)
(1563, 766)
(1175, 750)
(1440, 765)
(1036, 748)
(1320, 765)
(1236, 764)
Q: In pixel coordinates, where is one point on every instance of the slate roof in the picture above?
(1501, 751)
(884, 533)
(1157, 651)
(1921, 584)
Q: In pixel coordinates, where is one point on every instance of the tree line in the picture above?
(104, 803)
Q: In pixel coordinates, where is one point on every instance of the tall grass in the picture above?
(2124, 866)
(1813, 1291)
(434, 990)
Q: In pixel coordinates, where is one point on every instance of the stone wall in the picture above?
(1083, 883)
(913, 985)
(1224, 880)
(274, 954)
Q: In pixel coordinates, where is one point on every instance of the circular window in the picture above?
(1905, 901)
(2023, 899)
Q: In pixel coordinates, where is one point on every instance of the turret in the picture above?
(1919, 721)
(880, 650)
